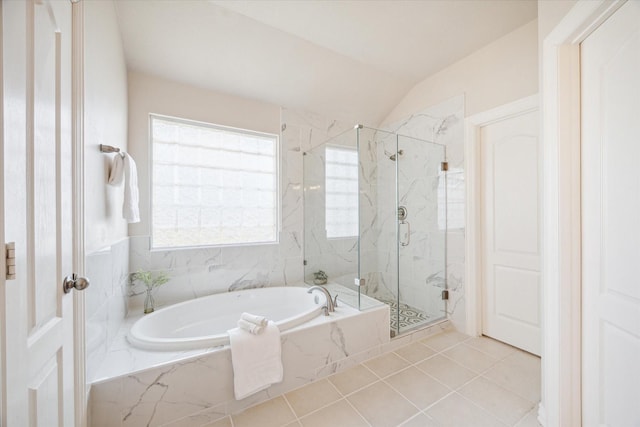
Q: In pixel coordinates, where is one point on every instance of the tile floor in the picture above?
(449, 379)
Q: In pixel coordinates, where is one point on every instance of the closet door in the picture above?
(611, 220)
(511, 280)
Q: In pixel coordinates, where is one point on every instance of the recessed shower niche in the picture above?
(375, 221)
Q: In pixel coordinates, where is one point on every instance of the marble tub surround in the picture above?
(201, 383)
(105, 301)
(124, 358)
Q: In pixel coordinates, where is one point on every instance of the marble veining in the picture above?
(144, 390)
(105, 303)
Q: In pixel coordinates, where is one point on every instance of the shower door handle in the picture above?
(408, 233)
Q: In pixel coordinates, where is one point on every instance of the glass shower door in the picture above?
(377, 236)
(421, 224)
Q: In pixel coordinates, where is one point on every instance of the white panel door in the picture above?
(38, 319)
(611, 221)
(510, 231)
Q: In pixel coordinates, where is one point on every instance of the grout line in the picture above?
(357, 412)
(483, 409)
(295, 415)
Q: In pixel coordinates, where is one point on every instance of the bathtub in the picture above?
(204, 322)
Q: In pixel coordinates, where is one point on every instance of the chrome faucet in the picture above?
(331, 303)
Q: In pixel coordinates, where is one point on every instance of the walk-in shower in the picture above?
(379, 226)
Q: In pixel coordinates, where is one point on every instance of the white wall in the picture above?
(105, 122)
(150, 94)
(550, 13)
(501, 72)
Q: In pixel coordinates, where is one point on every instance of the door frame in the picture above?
(561, 335)
(3, 265)
(473, 170)
(81, 389)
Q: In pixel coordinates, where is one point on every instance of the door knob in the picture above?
(73, 281)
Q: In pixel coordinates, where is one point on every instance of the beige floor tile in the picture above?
(420, 420)
(294, 424)
(224, 422)
(530, 420)
(272, 413)
(340, 413)
(503, 404)
(470, 358)
(415, 352)
(446, 371)
(444, 340)
(353, 379)
(386, 364)
(456, 411)
(382, 406)
(493, 348)
(312, 396)
(520, 373)
(421, 389)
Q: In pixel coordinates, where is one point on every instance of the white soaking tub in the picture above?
(204, 322)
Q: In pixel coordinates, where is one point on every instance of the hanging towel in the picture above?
(253, 318)
(117, 170)
(256, 360)
(123, 165)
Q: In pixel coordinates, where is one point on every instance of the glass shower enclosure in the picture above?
(375, 208)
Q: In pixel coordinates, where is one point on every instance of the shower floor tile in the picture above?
(405, 316)
(482, 397)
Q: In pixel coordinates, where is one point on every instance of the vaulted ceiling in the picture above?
(352, 59)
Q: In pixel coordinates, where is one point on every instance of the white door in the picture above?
(38, 375)
(611, 221)
(510, 230)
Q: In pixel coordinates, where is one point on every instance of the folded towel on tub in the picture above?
(250, 327)
(254, 318)
(256, 360)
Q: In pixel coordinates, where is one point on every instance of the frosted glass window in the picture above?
(212, 185)
(451, 199)
(341, 184)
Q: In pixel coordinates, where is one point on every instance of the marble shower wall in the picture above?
(442, 124)
(197, 272)
(105, 303)
(338, 257)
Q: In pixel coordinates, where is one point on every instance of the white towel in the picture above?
(250, 327)
(256, 360)
(253, 318)
(117, 170)
(123, 165)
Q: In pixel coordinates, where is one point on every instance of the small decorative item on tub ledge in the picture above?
(151, 282)
(320, 277)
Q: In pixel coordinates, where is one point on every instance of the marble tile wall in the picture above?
(202, 386)
(108, 270)
(196, 272)
(442, 124)
(339, 257)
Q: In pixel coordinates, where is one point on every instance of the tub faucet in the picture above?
(331, 304)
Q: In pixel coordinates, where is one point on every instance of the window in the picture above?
(341, 186)
(212, 185)
(451, 199)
